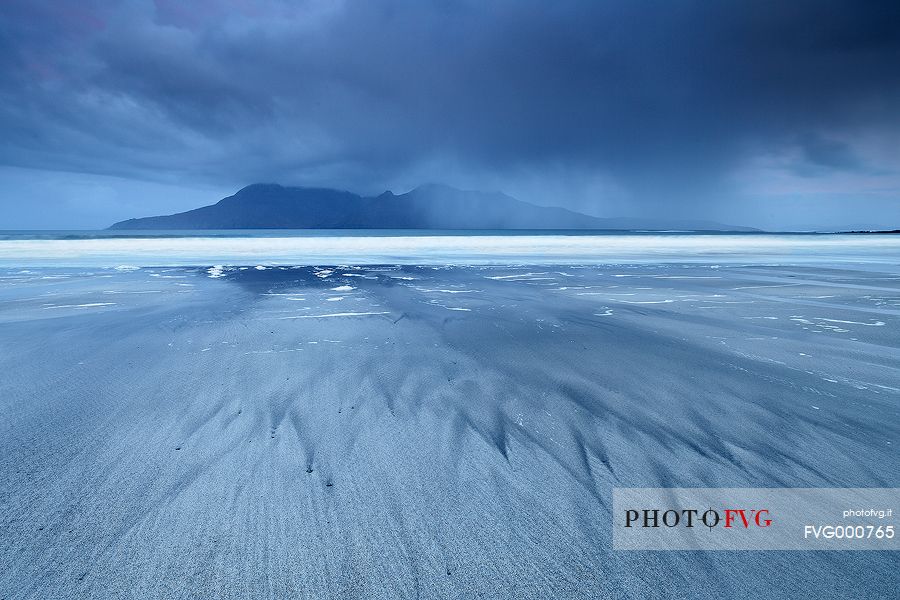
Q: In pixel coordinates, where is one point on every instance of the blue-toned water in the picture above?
(321, 247)
(78, 234)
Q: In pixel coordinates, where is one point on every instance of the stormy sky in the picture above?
(780, 115)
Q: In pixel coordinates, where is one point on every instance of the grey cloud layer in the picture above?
(651, 95)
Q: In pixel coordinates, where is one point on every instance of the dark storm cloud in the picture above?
(824, 153)
(662, 99)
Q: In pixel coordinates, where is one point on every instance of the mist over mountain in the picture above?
(271, 206)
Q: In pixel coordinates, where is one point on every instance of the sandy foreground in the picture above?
(429, 432)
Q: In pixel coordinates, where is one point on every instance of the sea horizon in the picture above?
(429, 247)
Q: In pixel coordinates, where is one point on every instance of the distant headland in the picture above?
(271, 206)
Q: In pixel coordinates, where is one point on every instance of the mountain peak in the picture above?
(430, 206)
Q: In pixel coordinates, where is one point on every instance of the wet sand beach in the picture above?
(389, 431)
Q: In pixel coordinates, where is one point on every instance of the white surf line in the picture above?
(508, 252)
(875, 324)
(89, 305)
(273, 351)
(517, 276)
(532, 279)
(344, 314)
(458, 308)
(685, 277)
(757, 287)
(805, 321)
(342, 288)
(448, 291)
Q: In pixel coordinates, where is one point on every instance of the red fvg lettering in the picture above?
(746, 519)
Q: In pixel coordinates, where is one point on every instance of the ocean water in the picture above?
(279, 247)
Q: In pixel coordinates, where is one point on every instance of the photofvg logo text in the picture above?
(691, 517)
(754, 518)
